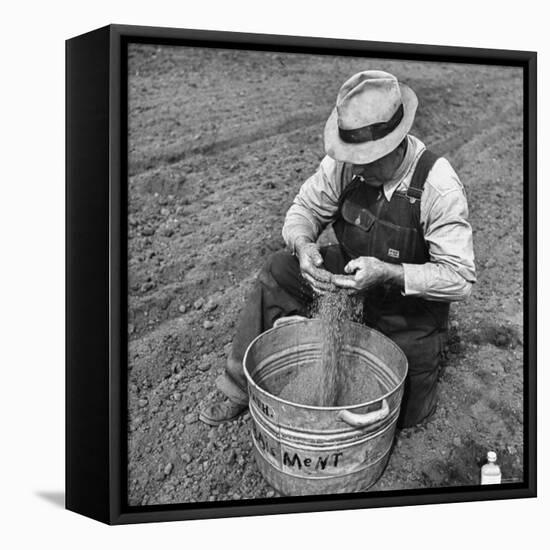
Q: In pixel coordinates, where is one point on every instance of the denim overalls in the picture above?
(370, 225)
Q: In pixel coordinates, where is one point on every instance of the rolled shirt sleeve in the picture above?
(316, 204)
(450, 273)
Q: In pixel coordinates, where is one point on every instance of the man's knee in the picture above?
(283, 267)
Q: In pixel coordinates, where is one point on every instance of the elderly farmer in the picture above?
(400, 216)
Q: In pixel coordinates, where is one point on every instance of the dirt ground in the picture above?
(220, 142)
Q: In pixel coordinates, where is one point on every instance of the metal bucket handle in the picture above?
(362, 420)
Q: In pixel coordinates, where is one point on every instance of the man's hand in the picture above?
(310, 266)
(367, 272)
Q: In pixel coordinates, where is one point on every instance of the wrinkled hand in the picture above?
(310, 260)
(365, 272)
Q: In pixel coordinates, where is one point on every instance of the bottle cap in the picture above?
(492, 456)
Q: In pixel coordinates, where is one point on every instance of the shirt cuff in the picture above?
(414, 280)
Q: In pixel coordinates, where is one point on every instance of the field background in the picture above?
(219, 143)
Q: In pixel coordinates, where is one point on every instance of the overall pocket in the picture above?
(358, 234)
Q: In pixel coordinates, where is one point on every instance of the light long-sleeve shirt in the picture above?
(450, 272)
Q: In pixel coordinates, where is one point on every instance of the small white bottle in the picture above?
(490, 472)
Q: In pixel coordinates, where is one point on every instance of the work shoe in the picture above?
(220, 411)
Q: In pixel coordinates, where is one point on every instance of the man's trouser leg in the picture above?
(419, 329)
(424, 358)
(279, 291)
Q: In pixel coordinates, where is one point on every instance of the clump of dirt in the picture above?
(337, 379)
(502, 336)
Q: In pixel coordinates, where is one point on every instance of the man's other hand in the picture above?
(366, 272)
(310, 260)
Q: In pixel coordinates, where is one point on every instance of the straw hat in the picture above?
(373, 113)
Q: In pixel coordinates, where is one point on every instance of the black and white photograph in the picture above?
(325, 274)
(275, 275)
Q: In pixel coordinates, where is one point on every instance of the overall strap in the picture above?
(423, 166)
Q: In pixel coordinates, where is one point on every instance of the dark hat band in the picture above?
(372, 132)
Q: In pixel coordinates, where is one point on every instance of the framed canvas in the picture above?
(218, 185)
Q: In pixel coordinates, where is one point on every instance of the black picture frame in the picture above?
(96, 255)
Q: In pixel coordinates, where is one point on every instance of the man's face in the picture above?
(380, 171)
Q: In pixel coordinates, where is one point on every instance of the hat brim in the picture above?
(365, 153)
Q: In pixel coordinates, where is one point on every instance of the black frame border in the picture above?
(107, 501)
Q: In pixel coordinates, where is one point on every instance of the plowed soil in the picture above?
(219, 143)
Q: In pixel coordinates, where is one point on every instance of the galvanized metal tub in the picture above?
(305, 450)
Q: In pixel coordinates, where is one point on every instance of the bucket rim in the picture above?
(317, 407)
